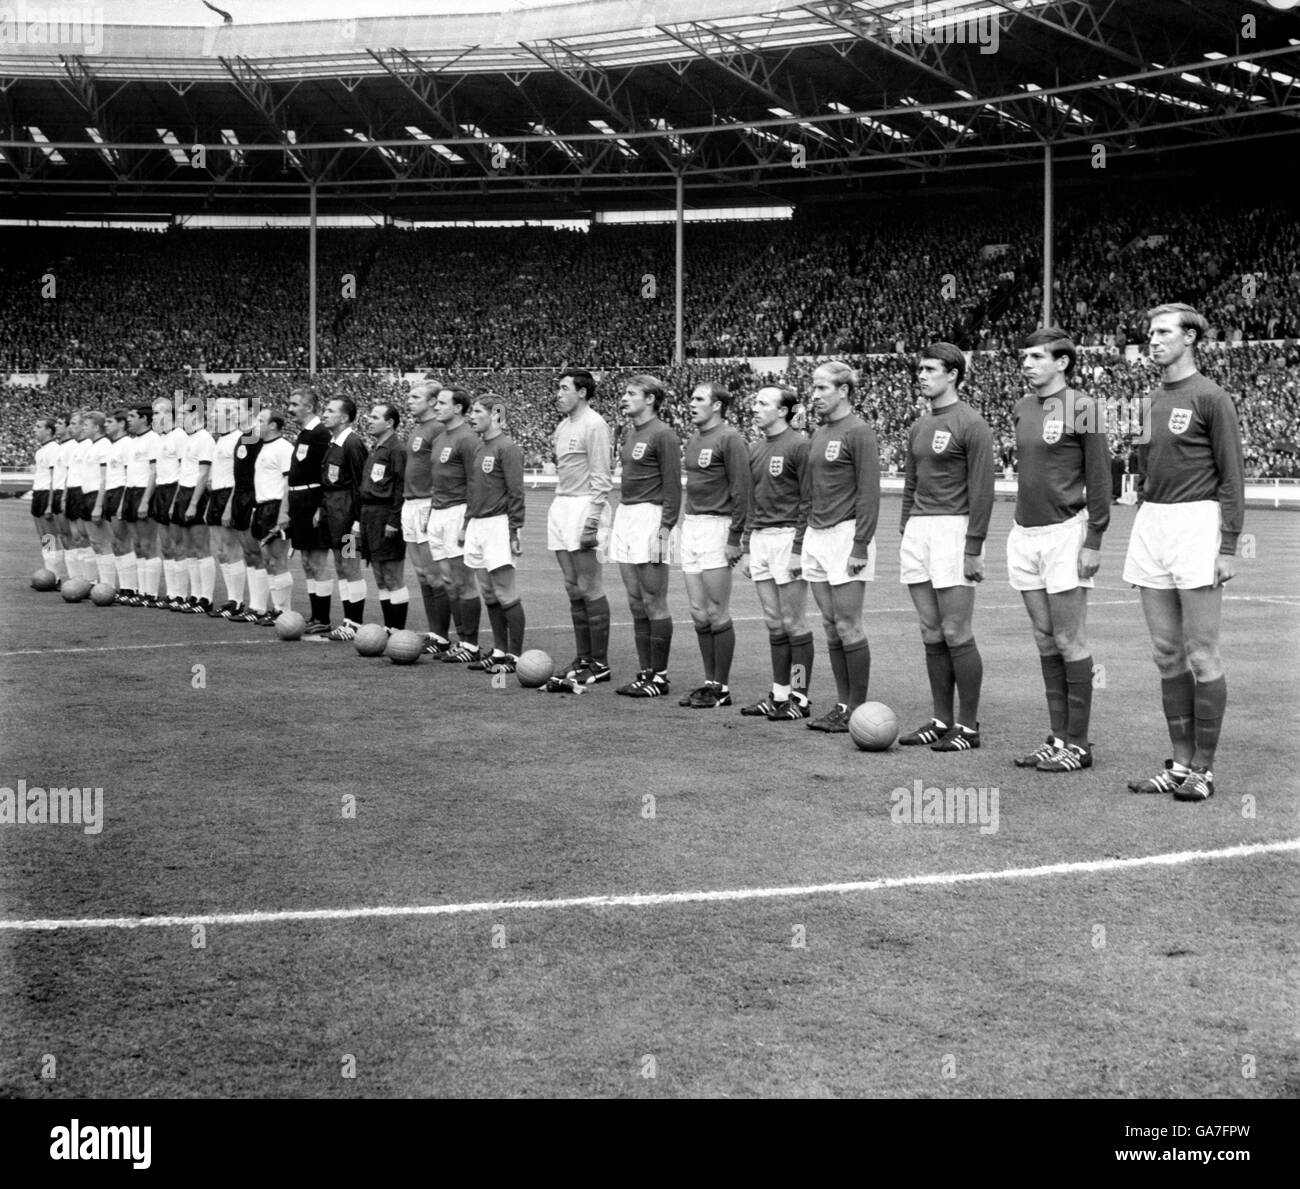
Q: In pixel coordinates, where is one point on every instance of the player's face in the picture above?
(767, 407)
(1038, 366)
(567, 396)
(162, 418)
(332, 418)
(266, 428)
(61, 430)
(634, 403)
(300, 409)
(135, 423)
(827, 395)
(418, 403)
(445, 407)
(932, 378)
(43, 433)
(480, 418)
(115, 428)
(377, 421)
(703, 407)
(1168, 342)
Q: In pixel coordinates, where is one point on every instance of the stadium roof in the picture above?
(557, 108)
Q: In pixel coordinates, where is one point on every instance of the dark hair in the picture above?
(583, 381)
(719, 394)
(120, 415)
(48, 422)
(348, 405)
(789, 399)
(460, 397)
(1056, 341)
(390, 413)
(276, 417)
(142, 411)
(949, 355)
(310, 394)
(652, 387)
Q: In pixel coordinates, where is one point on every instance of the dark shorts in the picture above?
(160, 508)
(375, 546)
(72, 504)
(241, 510)
(40, 504)
(217, 501)
(56, 504)
(112, 501)
(338, 515)
(131, 504)
(302, 510)
(183, 497)
(265, 515)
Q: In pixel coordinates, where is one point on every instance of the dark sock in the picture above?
(840, 670)
(724, 648)
(314, 600)
(1179, 697)
(399, 615)
(1078, 678)
(471, 614)
(324, 615)
(704, 636)
(581, 629)
(938, 666)
(598, 620)
(386, 610)
(497, 618)
(857, 660)
(355, 611)
(968, 670)
(641, 633)
(801, 662)
(1058, 699)
(779, 642)
(515, 626)
(661, 642)
(1211, 701)
(430, 599)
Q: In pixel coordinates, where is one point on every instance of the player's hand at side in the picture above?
(1225, 568)
(732, 553)
(225, 517)
(391, 530)
(516, 549)
(282, 523)
(856, 565)
(97, 514)
(1089, 562)
(590, 532)
(460, 536)
(973, 567)
(315, 518)
(428, 515)
(743, 564)
(796, 566)
(192, 512)
(665, 545)
(143, 510)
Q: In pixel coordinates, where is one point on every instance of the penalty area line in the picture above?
(653, 899)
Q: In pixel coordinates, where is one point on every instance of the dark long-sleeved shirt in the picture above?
(419, 459)
(341, 473)
(496, 482)
(383, 479)
(1195, 452)
(949, 470)
(717, 477)
(308, 453)
(1062, 462)
(777, 465)
(652, 468)
(843, 479)
(453, 456)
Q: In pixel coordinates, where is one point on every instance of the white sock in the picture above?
(169, 576)
(191, 565)
(127, 570)
(207, 582)
(258, 589)
(106, 568)
(358, 594)
(84, 561)
(400, 595)
(281, 591)
(151, 576)
(781, 693)
(54, 562)
(233, 574)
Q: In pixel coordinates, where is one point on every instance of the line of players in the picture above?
(790, 511)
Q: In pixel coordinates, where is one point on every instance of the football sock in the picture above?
(53, 559)
(704, 636)
(386, 609)
(354, 600)
(1211, 701)
(598, 624)
(857, 661)
(319, 591)
(1179, 697)
(641, 634)
(467, 623)
(127, 572)
(581, 628)
(724, 649)
(968, 669)
(943, 680)
(839, 669)
(500, 632)
(151, 576)
(514, 613)
(428, 596)
(661, 642)
(400, 600)
(89, 566)
(106, 568)
(196, 579)
(780, 693)
(207, 584)
(1058, 697)
(801, 662)
(1078, 677)
(281, 590)
(178, 582)
(234, 575)
(258, 590)
(779, 642)
(440, 621)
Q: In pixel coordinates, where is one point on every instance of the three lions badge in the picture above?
(1052, 431)
(1179, 420)
(638, 451)
(833, 450)
(939, 443)
(775, 465)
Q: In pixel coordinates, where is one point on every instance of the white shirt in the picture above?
(64, 453)
(45, 457)
(199, 447)
(170, 445)
(77, 463)
(271, 470)
(117, 463)
(141, 450)
(96, 464)
(223, 460)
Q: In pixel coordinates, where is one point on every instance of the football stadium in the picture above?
(891, 407)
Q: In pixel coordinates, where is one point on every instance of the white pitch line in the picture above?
(651, 899)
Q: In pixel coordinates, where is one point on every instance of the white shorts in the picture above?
(634, 539)
(565, 522)
(769, 554)
(1173, 546)
(826, 553)
(444, 532)
(414, 514)
(1046, 556)
(933, 550)
(704, 543)
(487, 543)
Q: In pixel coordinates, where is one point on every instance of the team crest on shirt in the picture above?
(706, 456)
(1052, 431)
(446, 454)
(489, 463)
(638, 451)
(241, 452)
(833, 450)
(377, 472)
(415, 444)
(332, 473)
(301, 452)
(573, 445)
(939, 443)
(1179, 420)
(776, 465)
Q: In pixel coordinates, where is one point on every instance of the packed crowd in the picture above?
(1264, 379)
